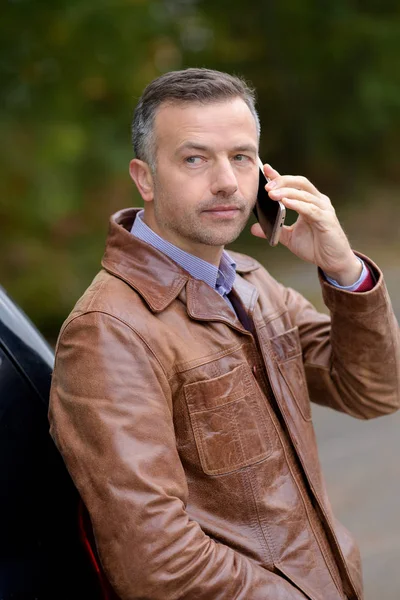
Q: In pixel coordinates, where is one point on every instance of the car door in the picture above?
(41, 554)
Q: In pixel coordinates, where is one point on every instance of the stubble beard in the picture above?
(191, 226)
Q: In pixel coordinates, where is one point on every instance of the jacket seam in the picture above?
(275, 315)
(262, 532)
(65, 325)
(168, 298)
(102, 283)
(292, 471)
(87, 312)
(393, 347)
(188, 366)
(320, 543)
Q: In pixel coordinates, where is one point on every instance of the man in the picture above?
(181, 393)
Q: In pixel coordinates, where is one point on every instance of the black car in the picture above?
(46, 549)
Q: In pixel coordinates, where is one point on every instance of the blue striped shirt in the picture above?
(220, 279)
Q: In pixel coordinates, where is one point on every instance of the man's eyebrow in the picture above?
(203, 148)
(245, 148)
(193, 146)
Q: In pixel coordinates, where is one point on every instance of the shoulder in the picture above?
(111, 297)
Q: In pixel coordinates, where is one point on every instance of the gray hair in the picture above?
(189, 85)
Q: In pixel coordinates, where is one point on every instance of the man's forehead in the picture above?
(180, 120)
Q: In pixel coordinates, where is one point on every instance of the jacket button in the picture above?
(254, 369)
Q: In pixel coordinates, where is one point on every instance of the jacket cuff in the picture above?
(354, 287)
(358, 301)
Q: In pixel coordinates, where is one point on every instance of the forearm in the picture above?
(351, 359)
(365, 357)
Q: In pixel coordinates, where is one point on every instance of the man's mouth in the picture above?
(222, 207)
(223, 210)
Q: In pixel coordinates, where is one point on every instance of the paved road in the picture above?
(361, 464)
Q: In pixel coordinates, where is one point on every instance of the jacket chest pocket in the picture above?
(227, 421)
(287, 350)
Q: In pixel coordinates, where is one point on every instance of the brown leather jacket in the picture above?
(189, 436)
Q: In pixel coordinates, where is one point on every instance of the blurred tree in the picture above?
(327, 79)
(326, 75)
(71, 74)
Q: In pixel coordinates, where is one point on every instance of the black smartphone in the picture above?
(269, 213)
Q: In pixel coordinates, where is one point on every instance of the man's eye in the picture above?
(241, 158)
(193, 160)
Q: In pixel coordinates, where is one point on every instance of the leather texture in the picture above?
(188, 430)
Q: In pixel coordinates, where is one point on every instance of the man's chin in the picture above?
(221, 238)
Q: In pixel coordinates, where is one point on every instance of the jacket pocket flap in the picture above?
(210, 393)
(286, 345)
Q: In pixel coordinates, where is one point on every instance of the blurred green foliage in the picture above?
(328, 82)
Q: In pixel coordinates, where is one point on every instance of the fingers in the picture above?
(257, 231)
(299, 194)
(311, 212)
(293, 181)
(270, 172)
(295, 188)
(279, 181)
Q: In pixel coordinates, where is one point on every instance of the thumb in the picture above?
(257, 231)
(286, 235)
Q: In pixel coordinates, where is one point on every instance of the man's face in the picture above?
(206, 177)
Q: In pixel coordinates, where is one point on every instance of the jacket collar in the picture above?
(159, 280)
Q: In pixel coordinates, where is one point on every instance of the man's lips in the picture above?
(223, 208)
(223, 213)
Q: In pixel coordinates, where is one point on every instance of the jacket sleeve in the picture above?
(352, 359)
(111, 418)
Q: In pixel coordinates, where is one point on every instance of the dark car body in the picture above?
(41, 551)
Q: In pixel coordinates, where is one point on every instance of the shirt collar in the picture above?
(221, 279)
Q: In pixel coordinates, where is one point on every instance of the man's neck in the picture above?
(211, 254)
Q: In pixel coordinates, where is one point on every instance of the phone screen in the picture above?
(267, 211)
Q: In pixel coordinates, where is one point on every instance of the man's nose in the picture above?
(224, 180)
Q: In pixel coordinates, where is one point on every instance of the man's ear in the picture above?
(142, 176)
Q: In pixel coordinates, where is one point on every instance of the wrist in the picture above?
(349, 274)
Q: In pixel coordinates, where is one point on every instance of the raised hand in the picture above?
(317, 235)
